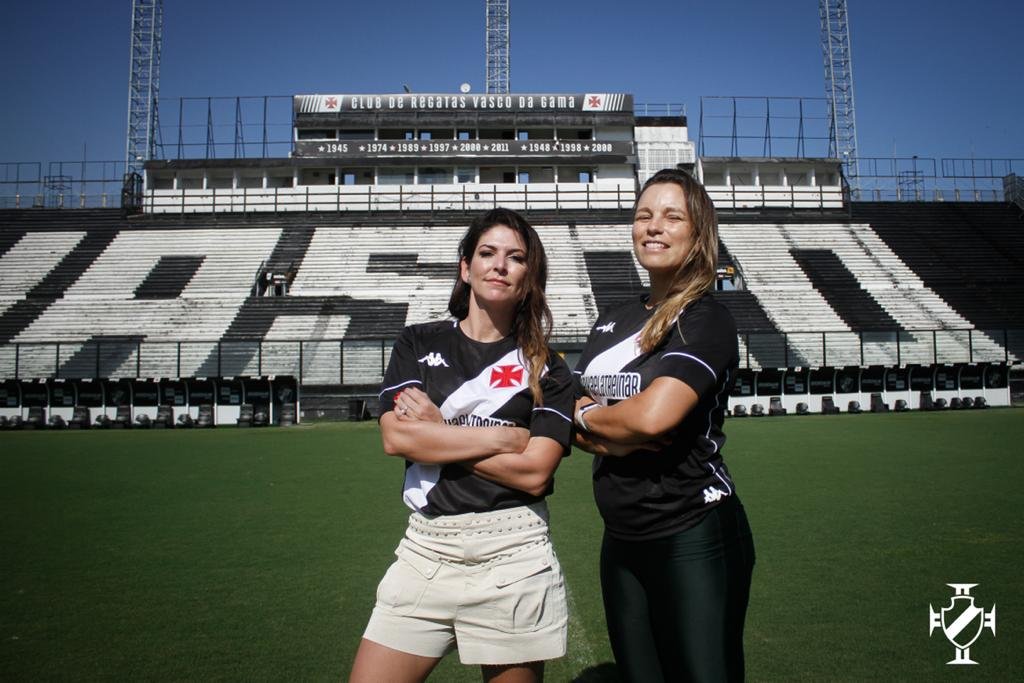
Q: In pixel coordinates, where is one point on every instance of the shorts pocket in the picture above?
(405, 582)
(529, 593)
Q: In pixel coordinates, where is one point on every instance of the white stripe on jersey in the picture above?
(613, 359)
(419, 479)
(475, 398)
(605, 367)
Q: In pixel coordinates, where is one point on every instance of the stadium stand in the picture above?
(232, 296)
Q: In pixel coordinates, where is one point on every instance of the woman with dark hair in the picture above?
(654, 377)
(480, 409)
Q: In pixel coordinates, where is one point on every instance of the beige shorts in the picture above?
(488, 584)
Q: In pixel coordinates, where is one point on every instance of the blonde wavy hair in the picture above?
(697, 273)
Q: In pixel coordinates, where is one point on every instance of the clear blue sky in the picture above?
(932, 77)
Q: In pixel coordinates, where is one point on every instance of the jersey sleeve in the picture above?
(701, 348)
(403, 371)
(553, 419)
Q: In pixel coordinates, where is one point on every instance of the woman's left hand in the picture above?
(414, 404)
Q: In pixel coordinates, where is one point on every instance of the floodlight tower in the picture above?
(144, 82)
(497, 46)
(835, 44)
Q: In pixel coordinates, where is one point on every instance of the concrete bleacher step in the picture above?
(55, 283)
(830, 276)
(969, 254)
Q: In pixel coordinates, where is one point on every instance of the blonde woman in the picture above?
(654, 377)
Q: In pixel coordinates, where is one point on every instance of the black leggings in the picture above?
(675, 606)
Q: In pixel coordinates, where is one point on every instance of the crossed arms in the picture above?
(505, 455)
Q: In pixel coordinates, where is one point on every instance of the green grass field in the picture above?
(254, 554)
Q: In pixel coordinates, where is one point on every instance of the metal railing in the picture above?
(341, 198)
(362, 361)
(338, 198)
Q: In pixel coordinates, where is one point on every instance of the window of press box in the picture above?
(315, 134)
(465, 175)
(316, 176)
(714, 178)
(497, 134)
(396, 176)
(356, 134)
(576, 174)
(435, 176)
(395, 134)
(219, 181)
(575, 134)
(190, 181)
(250, 180)
(160, 181)
(537, 174)
(435, 134)
(356, 176)
(497, 174)
(536, 134)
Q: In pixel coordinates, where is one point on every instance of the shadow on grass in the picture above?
(602, 673)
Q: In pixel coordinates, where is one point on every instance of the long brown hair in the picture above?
(697, 273)
(531, 325)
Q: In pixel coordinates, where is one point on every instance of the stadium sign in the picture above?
(442, 149)
(582, 102)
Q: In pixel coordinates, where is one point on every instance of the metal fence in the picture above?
(362, 361)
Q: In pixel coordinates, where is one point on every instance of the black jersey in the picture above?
(649, 494)
(474, 384)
